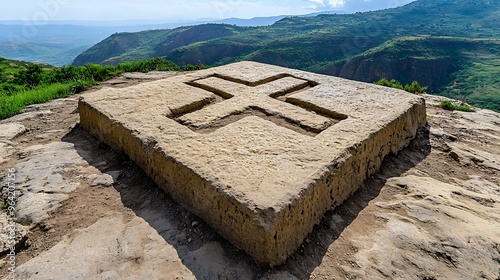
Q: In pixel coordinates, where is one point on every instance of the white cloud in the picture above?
(336, 3)
(321, 4)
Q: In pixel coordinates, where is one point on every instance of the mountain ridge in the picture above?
(59, 43)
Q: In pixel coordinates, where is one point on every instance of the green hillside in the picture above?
(23, 83)
(10, 69)
(461, 68)
(449, 45)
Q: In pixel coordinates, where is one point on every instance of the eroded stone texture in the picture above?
(258, 151)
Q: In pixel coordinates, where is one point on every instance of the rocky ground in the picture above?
(86, 212)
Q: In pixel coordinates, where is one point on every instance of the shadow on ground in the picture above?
(188, 234)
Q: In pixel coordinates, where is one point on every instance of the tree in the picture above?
(31, 76)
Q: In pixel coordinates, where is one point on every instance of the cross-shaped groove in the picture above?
(252, 111)
(252, 84)
(219, 95)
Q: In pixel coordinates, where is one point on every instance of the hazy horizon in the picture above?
(46, 11)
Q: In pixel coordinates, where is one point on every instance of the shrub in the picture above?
(99, 73)
(92, 72)
(448, 105)
(414, 87)
(392, 83)
(152, 64)
(383, 82)
(190, 67)
(31, 76)
(82, 85)
(65, 74)
(9, 88)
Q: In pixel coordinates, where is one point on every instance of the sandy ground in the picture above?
(87, 212)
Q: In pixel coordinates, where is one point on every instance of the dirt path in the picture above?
(432, 212)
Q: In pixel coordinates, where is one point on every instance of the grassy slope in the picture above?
(13, 102)
(478, 83)
(306, 42)
(23, 83)
(10, 67)
(123, 47)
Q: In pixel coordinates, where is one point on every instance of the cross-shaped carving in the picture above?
(270, 99)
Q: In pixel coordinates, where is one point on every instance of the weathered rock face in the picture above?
(429, 207)
(41, 184)
(12, 234)
(432, 73)
(259, 152)
(194, 34)
(7, 133)
(119, 247)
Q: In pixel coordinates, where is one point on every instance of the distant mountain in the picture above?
(59, 42)
(257, 21)
(263, 21)
(131, 46)
(422, 41)
(53, 44)
(455, 67)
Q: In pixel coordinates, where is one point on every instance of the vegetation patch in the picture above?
(23, 83)
(12, 104)
(414, 87)
(450, 106)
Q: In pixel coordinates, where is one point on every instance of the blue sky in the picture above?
(175, 10)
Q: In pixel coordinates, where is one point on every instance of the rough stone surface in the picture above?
(5, 151)
(112, 248)
(153, 75)
(41, 182)
(12, 234)
(430, 208)
(105, 180)
(259, 152)
(28, 114)
(8, 132)
(126, 79)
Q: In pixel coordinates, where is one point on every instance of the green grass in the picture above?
(10, 68)
(154, 64)
(302, 42)
(23, 83)
(448, 105)
(478, 83)
(12, 104)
